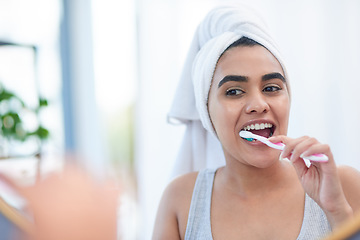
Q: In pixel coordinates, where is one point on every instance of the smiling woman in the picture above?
(258, 194)
(262, 98)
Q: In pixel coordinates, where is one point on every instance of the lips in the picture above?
(263, 128)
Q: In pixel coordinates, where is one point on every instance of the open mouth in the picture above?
(262, 129)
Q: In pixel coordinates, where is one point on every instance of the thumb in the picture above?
(279, 138)
(300, 167)
(298, 163)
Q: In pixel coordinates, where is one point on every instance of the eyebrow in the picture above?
(232, 78)
(240, 78)
(274, 75)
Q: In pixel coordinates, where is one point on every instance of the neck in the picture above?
(247, 181)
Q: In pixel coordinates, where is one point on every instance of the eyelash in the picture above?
(234, 92)
(237, 92)
(277, 88)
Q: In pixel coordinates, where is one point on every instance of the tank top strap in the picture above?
(315, 224)
(198, 225)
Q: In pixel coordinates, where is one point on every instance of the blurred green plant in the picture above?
(12, 122)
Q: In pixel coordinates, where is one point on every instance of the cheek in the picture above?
(283, 111)
(223, 115)
(215, 113)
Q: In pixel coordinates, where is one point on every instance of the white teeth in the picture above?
(258, 126)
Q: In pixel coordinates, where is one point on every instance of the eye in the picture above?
(234, 92)
(271, 89)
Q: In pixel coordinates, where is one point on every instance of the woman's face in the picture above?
(249, 91)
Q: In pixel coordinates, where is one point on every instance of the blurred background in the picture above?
(97, 77)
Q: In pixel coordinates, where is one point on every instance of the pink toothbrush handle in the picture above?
(317, 157)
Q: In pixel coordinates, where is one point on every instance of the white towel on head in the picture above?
(220, 28)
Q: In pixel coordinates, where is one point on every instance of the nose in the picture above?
(257, 104)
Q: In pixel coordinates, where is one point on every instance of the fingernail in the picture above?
(281, 158)
(292, 158)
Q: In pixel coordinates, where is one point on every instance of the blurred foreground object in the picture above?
(349, 230)
(71, 205)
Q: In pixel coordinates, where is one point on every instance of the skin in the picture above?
(256, 195)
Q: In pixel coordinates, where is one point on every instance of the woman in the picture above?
(240, 83)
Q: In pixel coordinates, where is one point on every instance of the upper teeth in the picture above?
(258, 126)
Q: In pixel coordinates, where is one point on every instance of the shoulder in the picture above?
(349, 175)
(174, 206)
(182, 184)
(350, 181)
(178, 193)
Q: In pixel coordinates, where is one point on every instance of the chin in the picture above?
(264, 160)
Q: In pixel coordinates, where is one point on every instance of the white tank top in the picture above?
(315, 224)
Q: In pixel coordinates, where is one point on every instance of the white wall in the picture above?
(319, 40)
(88, 132)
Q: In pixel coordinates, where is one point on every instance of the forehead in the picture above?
(252, 62)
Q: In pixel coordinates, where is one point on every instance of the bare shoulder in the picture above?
(182, 185)
(174, 206)
(348, 175)
(178, 194)
(350, 181)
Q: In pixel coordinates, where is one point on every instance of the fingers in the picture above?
(326, 167)
(296, 150)
(293, 146)
(318, 149)
(301, 147)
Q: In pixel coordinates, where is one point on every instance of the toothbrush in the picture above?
(280, 146)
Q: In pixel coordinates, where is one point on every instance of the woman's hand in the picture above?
(321, 180)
